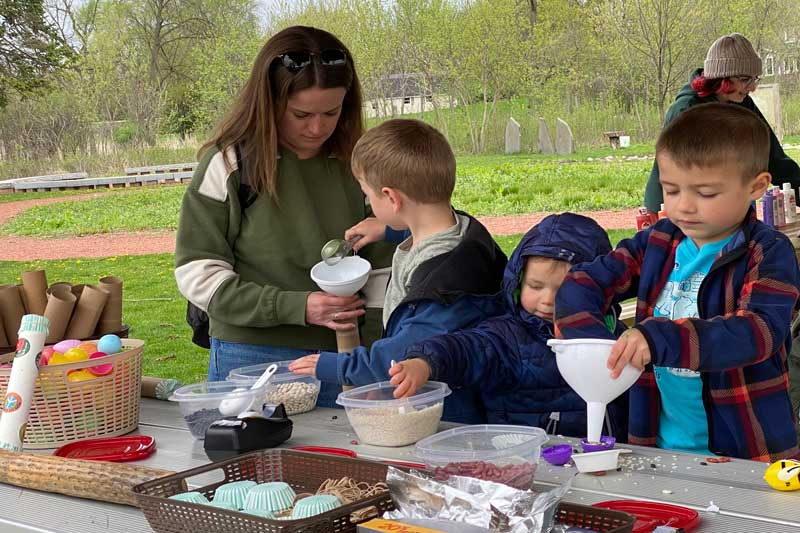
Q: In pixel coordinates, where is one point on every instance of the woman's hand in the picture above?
(306, 365)
(631, 347)
(408, 376)
(370, 229)
(333, 312)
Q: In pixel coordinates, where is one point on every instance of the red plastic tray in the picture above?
(344, 452)
(649, 515)
(115, 449)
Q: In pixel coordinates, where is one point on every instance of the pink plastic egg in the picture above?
(63, 346)
(100, 370)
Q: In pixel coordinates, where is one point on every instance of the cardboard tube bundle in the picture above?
(34, 289)
(87, 312)
(111, 317)
(11, 311)
(60, 304)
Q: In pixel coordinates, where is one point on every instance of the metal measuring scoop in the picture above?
(336, 249)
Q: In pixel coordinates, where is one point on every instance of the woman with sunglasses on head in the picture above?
(273, 185)
(731, 72)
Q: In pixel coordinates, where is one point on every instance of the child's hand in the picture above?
(408, 376)
(371, 230)
(631, 347)
(306, 365)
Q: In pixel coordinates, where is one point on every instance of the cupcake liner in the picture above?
(223, 505)
(233, 493)
(190, 497)
(274, 497)
(259, 512)
(314, 505)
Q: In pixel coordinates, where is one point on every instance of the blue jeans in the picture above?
(226, 356)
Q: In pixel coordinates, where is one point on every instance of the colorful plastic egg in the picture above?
(80, 375)
(63, 346)
(109, 344)
(58, 359)
(783, 475)
(73, 355)
(100, 370)
(47, 353)
(88, 347)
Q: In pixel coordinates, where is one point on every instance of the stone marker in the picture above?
(564, 142)
(513, 136)
(545, 141)
(767, 98)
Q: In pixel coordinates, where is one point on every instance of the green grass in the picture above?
(153, 307)
(486, 185)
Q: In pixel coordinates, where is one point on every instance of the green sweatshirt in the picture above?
(250, 271)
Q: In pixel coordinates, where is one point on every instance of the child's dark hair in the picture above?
(710, 135)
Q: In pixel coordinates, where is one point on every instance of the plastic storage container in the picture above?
(298, 394)
(380, 419)
(505, 454)
(200, 402)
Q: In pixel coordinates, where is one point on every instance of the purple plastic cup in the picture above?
(557, 455)
(606, 443)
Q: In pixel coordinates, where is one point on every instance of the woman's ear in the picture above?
(759, 185)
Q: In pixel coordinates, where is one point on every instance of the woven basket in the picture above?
(64, 412)
(305, 472)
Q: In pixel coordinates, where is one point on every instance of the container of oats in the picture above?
(380, 419)
(298, 394)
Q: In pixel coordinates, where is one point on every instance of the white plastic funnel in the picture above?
(345, 278)
(582, 363)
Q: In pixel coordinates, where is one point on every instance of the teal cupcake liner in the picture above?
(223, 505)
(314, 505)
(190, 497)
(233, 493)
(259, 512)
(274, 497)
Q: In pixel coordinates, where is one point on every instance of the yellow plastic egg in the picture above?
(783, 475)
(73, 355)
(57, 359)
(80, 375)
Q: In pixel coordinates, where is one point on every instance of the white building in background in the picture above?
(403, 94)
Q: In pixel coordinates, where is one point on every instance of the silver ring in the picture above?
(336, 316)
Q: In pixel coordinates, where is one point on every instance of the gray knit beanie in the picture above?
(731, 55)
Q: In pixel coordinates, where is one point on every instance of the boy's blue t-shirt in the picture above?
(682, 423)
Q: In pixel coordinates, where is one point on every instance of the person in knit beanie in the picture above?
(731, 71)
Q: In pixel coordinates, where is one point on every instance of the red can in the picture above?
(643, 219)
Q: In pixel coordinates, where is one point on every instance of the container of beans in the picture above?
(380, 419)
(504, 454)
(200, 402)
(298, 394)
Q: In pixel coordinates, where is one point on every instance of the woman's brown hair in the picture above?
(252, 121)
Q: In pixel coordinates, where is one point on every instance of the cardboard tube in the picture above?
(34, 286)
(11, 311)
(347, 340)
(87, 312)
(3, 338)
(77, 290)
(58, 284)
(111, 317)
(60, 304)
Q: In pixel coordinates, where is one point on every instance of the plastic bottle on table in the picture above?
(778, 210)
(791, 203)
(24, 371)
(768, 202)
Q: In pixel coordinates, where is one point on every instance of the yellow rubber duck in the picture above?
(783, 475)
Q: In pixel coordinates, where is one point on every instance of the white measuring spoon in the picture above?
(234, 406)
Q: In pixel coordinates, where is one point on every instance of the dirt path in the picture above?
(110, 244)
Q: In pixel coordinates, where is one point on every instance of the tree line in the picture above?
(87, 76)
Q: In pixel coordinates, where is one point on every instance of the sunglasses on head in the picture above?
(297, 61)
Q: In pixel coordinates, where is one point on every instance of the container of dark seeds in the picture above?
(200, 402)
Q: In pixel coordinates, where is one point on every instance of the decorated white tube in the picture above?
(24, 371)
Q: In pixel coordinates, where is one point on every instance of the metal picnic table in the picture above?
(746, 503)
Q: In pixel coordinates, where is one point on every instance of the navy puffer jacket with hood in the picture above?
(507, 358)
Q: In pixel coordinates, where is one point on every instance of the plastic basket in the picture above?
(602, 520)
(305, 472)
(65, 411)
